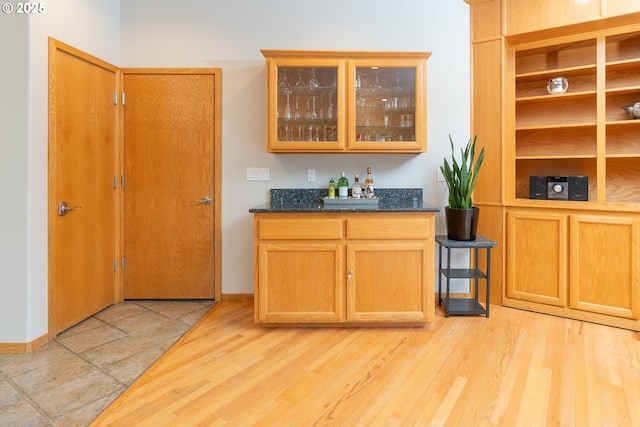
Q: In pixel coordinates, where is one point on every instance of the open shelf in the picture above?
(584, 131)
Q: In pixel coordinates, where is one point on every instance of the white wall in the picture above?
(230, 33)
(202, 33)
(94, 27)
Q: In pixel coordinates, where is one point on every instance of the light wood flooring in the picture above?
(516, 368)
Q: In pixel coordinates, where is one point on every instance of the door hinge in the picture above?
(115, 183)
(115, 266)
(122, 180)
(115, 98)
(123, 263)
(123, 99)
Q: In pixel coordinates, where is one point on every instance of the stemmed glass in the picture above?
(330, 108)
(282, 80)
(314, 83)
(296, 113)
(287, 107)
(313, 114)
(299, 82)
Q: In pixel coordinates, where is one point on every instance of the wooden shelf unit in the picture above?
(585, 130)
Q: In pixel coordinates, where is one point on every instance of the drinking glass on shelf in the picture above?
(314, 83)
(287, 107)
(299, 82)
(330, 108)
(296, 112)
(282, 80)
(313, 114)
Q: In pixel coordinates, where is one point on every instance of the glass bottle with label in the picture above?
(343, 187)
(368, 185)
(356, 188)
(332, 189)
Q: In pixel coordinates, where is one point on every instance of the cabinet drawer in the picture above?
(390, 228)
(300, 228)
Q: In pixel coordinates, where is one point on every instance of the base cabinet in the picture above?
(575, 264)
(356, 268)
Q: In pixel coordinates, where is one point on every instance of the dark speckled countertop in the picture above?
(310, 200)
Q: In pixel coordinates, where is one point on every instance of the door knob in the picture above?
(207, 200)
(63, 208)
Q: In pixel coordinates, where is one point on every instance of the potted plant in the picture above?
(461, 215)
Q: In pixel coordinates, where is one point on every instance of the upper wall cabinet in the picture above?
(523, 16)
(335, 101)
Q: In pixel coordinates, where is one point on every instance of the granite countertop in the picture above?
(310, 200)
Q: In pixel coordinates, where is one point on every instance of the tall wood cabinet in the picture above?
(572, 258)
(336, 101)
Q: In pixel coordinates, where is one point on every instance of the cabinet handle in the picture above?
(349, 274)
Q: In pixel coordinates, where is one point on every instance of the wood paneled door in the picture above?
(83, 144)
(171, 205)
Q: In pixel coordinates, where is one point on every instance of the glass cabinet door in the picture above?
(308, 106)
(346, 101)
(387, 110)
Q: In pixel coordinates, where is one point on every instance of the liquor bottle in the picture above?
(368, 185)
(343, 187)
(356, 189)
(332, 189)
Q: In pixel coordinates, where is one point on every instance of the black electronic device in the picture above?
(558, 187)
(579, 188)
(538, 187)
(544, 187)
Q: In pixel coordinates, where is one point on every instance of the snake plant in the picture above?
(461, 176)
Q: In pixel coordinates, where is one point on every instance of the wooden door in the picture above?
(169, 190)
(82, 168)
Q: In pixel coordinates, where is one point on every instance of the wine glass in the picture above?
(312, 113)
(282, 80)
(287, 107)
(330, 108)
(296, 112)
(299, 82)
(314, 83)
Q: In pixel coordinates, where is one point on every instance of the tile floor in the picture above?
(71, 380)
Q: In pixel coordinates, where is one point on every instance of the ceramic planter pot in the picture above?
(462, 224)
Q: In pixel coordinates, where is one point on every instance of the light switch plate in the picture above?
(439, 176)
(311, 175)
(258, 174)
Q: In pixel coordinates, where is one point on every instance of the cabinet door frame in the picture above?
(420, 115)
(272, 143)
(583, 265)
(424, 311)
(307, 316)
(535, 263)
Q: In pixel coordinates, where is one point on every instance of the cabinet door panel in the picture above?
(387, 281)
(536, 257)
(301, 282)
(604, 265)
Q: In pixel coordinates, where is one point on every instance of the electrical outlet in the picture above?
(311, 175)
(258, 174)
(439, 176)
